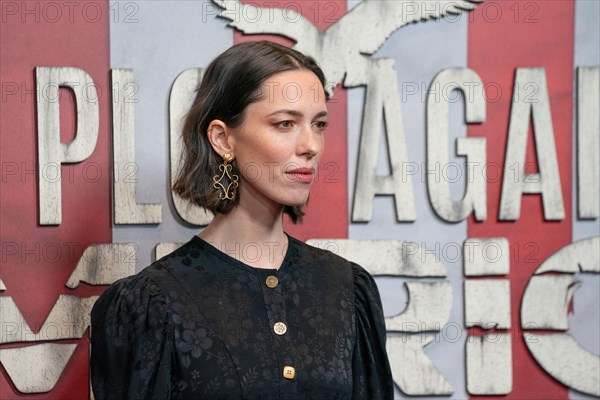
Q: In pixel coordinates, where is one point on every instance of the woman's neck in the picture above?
(255, 233)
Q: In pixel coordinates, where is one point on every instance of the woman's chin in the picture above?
(296, 202)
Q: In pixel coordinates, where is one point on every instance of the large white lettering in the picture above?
(382, 95)
(469, 84)
(531, 101)
(51, 152)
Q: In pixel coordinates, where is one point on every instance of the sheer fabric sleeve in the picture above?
(130, 350)
(371, 373)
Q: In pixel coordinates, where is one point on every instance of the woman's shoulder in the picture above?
(132, 294)
(149, 279)
(325, 256)
(149, 287)
(323, 251)
(315, 255)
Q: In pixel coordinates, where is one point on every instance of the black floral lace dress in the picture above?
(199, 324)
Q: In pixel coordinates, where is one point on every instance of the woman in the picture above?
(244, 311)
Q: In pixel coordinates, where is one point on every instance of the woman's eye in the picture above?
(285, 124)
(321, 125)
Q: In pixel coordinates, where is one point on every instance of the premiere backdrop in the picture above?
(461, 169)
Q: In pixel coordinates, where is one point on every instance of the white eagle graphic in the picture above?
(343, 50)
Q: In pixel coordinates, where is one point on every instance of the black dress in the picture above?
(199, 324)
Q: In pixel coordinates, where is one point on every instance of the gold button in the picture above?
(272, 281)
(289, 372)
(280, 328)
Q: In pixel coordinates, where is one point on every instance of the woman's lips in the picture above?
(304, 175)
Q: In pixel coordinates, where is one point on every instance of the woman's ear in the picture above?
(218, 136)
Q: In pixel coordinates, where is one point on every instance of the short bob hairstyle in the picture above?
(231, 82)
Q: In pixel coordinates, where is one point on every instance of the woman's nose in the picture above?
(309, 142)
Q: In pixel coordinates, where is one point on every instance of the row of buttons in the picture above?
(280, 328)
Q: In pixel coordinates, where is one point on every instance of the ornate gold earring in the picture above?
(230, 191)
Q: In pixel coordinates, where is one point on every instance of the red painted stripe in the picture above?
(51, 34)
(327, 211)
(502, 37)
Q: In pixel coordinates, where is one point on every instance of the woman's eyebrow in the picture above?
(291, 112)
(321, 114)
(297, 113)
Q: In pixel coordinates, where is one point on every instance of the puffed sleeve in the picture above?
(371, 371)
(130, 354)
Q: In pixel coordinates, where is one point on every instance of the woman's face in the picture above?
(278, 146)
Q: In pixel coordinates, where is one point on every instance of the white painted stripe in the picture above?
(584, 322)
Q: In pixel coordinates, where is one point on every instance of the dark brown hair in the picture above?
(231, 82)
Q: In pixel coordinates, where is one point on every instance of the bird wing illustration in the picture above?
(255, 20)
(344, 48)
(370, 23)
